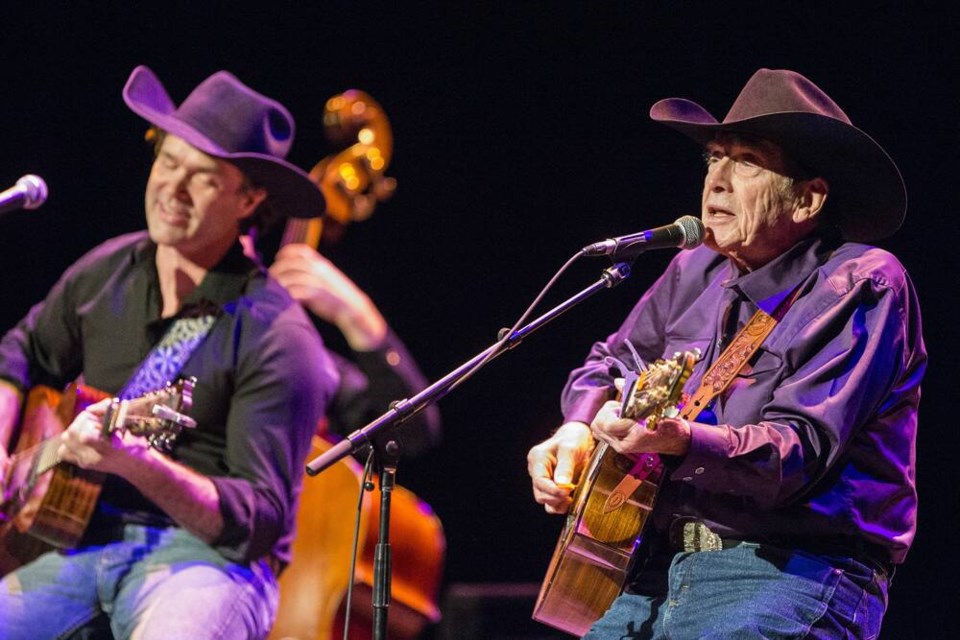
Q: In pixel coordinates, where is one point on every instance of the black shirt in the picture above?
(264, 378)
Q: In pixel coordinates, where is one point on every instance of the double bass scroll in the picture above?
(353, 180)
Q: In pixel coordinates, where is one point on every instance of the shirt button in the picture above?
(699, 470)
(688, 479)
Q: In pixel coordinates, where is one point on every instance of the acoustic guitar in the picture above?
(46, 503)
(611, 505)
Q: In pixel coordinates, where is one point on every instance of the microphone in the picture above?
(684, 233)
(29, 193)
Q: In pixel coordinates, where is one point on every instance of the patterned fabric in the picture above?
(163, 364)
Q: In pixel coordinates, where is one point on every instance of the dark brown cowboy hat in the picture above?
(866, 188)
(226, 119)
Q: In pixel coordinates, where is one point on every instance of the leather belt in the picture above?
(689, 535)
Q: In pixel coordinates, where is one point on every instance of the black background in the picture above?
(520, 135)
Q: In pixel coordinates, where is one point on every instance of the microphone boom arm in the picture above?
(406, 408)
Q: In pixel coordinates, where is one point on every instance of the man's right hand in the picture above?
(556, 462)
(327, 292)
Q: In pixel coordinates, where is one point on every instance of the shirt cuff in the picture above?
(709, 449)
(389, 354)
(237, 506)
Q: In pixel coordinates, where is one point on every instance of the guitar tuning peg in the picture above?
(163, 442)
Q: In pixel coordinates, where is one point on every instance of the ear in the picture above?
(812, 197)
(250, 201)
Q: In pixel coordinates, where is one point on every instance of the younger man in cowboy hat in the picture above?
(185, 544)
(788, 500)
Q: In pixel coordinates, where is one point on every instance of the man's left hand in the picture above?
(629, 437)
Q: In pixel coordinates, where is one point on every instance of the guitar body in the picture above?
(593, 556)
(611, 506)
(47, 510)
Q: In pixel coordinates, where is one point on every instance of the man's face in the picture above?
(194, 202)
(749, 206)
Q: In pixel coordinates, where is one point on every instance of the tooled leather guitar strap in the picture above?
(729, 364)
(717, 378)
(737, 354)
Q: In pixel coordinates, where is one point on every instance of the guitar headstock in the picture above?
(159, 415)
(655, 392)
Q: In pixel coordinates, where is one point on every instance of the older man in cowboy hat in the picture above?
(788, 489)
(184, 543)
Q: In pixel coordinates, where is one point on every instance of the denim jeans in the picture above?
(752, 591)
(157, 583)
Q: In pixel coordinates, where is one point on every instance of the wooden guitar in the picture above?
(47, 503)
(611, 504)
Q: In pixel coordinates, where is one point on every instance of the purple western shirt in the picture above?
(814, 441)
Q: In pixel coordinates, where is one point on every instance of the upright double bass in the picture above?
(313, 587)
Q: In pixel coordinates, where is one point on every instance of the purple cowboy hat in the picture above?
(866, 188)
(226, 119)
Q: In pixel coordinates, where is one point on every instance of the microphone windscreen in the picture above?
(692, 230)
(34, 190)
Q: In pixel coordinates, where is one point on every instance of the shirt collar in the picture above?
(769, 285)
(224, 283)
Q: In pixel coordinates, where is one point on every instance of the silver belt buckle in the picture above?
(698, 537)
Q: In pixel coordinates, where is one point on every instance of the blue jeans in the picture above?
(752, 591)
(155, 583)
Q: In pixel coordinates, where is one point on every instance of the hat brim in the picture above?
(866, 187)
(290, 190)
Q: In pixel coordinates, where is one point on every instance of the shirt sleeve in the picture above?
(858, 359)
(44, 347)
(370, 382)
(284, 382)
(592, 384)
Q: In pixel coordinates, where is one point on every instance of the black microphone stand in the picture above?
(386, 457)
